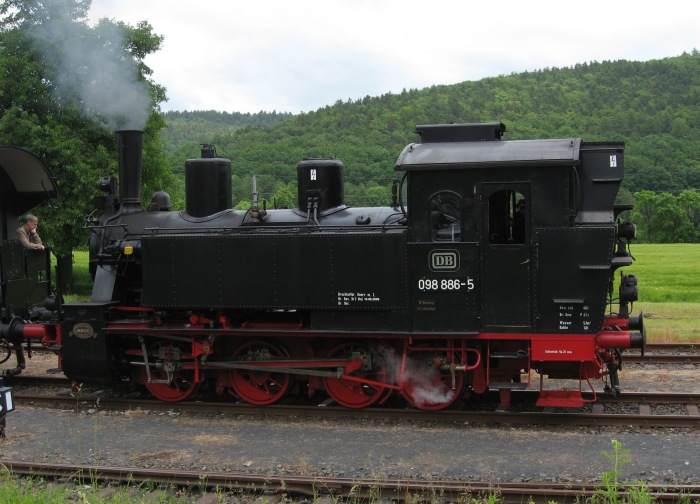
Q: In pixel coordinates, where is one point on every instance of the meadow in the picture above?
(669, 288)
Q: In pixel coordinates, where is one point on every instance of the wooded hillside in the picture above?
(652, 106)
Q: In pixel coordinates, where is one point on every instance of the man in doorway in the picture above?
(27, 235)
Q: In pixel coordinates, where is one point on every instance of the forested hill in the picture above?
(653, 106)
(186, 130)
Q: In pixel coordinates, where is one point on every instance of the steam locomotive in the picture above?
(493, 267)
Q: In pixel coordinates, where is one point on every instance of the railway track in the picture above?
(305, 486)
(677, 346)
(642, 413)
(666, 353)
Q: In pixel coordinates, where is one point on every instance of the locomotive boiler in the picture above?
(494, 267)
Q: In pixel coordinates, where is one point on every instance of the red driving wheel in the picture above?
(351, 393)
(179, 388)
(425, 385)
(261, 386)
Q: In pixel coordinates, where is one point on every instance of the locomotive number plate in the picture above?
(445, 284)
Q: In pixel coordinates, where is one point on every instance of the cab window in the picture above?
(446, 217)
(507, 217)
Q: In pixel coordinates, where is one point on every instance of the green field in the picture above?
(669, 288)
(667, 273)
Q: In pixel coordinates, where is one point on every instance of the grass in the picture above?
(80, 288)
(669, 288)
(667, 273)
(40, 491)
(671, 322)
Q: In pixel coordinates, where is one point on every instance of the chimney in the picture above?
(130, 149)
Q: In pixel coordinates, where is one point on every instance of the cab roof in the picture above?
(25, 181)
(453, 146)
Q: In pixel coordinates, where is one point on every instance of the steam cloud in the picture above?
(93, 66)
(426, 386)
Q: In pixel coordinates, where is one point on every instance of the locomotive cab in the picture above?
(515, 242)
(501, 238)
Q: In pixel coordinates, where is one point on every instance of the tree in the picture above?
(669, 223)
(64, 87)
(286, 196)
(689, 203)
(644, 213)
(665, 218)
(378, 196)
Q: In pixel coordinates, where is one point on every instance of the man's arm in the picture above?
(24, 239)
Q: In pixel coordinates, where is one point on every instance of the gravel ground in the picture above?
(356, 448)
(345, 448)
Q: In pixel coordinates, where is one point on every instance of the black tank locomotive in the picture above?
(495, 263)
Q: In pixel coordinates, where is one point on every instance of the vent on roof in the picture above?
(465, 132)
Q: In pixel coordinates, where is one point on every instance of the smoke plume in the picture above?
(94, 67)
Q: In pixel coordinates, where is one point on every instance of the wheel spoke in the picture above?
(259, 387)
(351, 393)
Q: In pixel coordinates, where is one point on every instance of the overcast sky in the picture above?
(300, 55)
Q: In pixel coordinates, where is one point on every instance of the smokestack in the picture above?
(129, 148)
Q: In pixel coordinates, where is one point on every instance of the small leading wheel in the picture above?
(170, 382)
(351, 393)
(428, 387)
(261, 386)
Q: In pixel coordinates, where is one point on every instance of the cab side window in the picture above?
(507, 220)
(446, 217)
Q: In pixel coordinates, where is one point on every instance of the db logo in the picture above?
(444, 260)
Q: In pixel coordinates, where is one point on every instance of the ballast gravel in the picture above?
(347, 448)
(356, 448)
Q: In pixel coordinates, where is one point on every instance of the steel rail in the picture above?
(493, 395)
(651, 398)
(398, 489)
(546, 417)
(684, 346)
(665, 353)
(665, 358)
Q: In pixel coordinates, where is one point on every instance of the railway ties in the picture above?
(656, 409)
(629, 409)
(645, 417)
